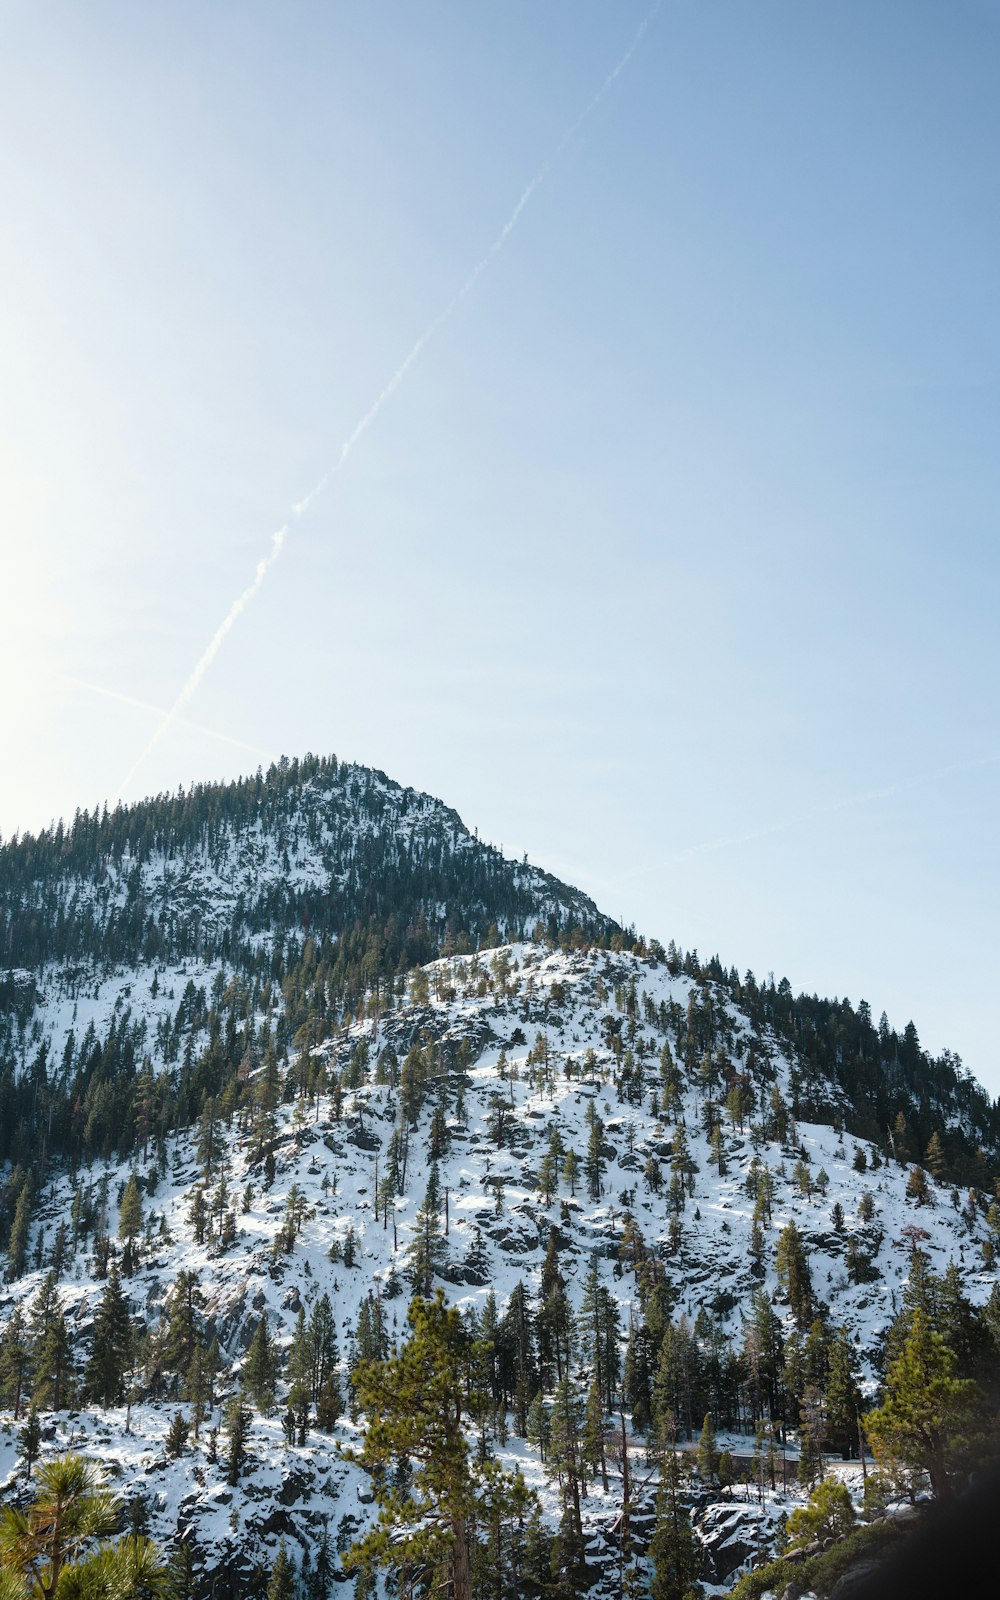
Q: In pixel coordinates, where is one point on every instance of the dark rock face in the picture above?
(729, 1536)
(295, 1486)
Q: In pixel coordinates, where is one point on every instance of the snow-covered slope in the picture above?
(532, 1047)
(205, 872)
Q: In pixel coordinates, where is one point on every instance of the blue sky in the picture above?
(672, 560)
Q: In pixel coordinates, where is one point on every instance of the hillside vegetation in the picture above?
(304, 1091)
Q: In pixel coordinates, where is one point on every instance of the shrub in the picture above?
(828, 1514)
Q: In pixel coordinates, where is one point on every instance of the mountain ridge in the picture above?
(303, 1044)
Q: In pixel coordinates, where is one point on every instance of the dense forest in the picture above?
(304, 896)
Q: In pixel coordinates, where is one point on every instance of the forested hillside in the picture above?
(373, 1205)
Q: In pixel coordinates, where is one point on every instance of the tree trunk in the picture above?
(461, 1575)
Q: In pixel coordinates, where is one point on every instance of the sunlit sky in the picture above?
(671, 560)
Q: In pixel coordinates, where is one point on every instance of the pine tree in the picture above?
(536, 1559)
(934, 1157)
(811, 1464)
(569, 1574)
(325, 1356)
(427, 1252)
(260, 1369)
(183, 1306)
(674, 1551)
(177, 1435)
(829, 1514)
(566, 1452)
(594, 1161)
(300, 1367)
(322, 1577)
(197, 1385)
(792, 1269)
(708, 1454)
(15, 1364)
(917, 1187)
(764, 1352)
(112, 1347)
(594, 1431)
(130, 1222)
(281, 1584)
(55, 1370)
(414, 1405)
(927, 1413)
(843, 1396)
(537, 1429)
(17, 1243)
(957, 1322)
(503, 1503)
(238, 1418)
(29, 1440)
(60, 1543)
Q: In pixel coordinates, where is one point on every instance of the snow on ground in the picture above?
(565, 999)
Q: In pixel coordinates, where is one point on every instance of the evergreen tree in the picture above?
(15, 1363)
(54, 1367)
(427, 1253)
(177, 1435)
(281, 1584)
(934, 1159)
(829, 1514)
(184, 1304)
(238, 1418)
(29, 1441)
(536, 1560)
(325, 1358)
(61, 1543)
(594, 1161)
(566, 1454)
(300, 1366)
(112, 1347)
(674, 1551)
(927, 1414)
(322, 1577)
(792, 1269)
(917, 1187)
(594, 1435)
(811, 1464)
(537, 1429)
(260, 1369)
(17, 1243)
(415, 1407)
(843, 1396)
(708, 1453)
(197, 1386)
(130, 1222)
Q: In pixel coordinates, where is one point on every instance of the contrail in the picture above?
(159, 711)
(207, 657)
(828, 808)
(300, 507)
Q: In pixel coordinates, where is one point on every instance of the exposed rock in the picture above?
(729, 1535)
(294, 1486)
(275, 1521)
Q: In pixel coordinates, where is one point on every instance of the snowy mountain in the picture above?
(244, 1086)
